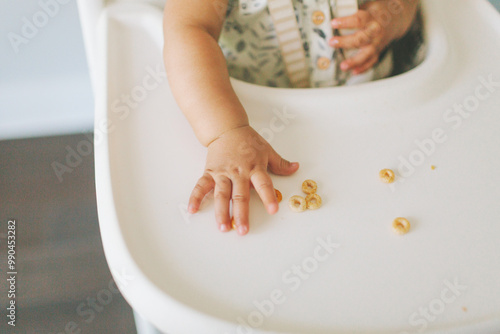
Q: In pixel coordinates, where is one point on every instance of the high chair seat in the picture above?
(338, 269)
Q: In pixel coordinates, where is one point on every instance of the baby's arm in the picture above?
(197, 69)
(237, 155)
(379, 23)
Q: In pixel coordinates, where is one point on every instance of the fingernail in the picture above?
(344, 66)
(242, 229)
(334, 42)
(294, 164)
(223, 227)
(191, 208)
(335, 23)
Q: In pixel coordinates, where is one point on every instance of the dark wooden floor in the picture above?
(60, 260)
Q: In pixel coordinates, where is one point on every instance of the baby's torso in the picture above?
(250, 45)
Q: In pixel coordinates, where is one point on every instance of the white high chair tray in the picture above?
(185, 276)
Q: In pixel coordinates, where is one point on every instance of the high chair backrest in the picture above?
(90, 11)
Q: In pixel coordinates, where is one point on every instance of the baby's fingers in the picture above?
(358, 39)
(222, 195)
(203, 187)
(264, 186)
(241, 200)
(365, 66)
(355, 21)
(365, 55)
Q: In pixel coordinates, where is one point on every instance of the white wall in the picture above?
(44, 84)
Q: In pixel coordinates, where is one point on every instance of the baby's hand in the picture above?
(237, 159)
(371, 38)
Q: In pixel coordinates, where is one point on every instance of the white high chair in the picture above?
(339, 269)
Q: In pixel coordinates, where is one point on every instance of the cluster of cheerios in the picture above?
(312, 201)
(400, 225)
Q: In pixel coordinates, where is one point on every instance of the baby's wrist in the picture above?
(226, 131)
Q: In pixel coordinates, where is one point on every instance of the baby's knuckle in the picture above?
(241, 198)
(377, 28)
(223, 180)
(358, 21)
(221, 195)
(206, 178)
(370, 33)
(361, 39)
(198, 188)
(238, 171)
(265, 186)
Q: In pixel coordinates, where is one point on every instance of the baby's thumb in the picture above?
(280, 166)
